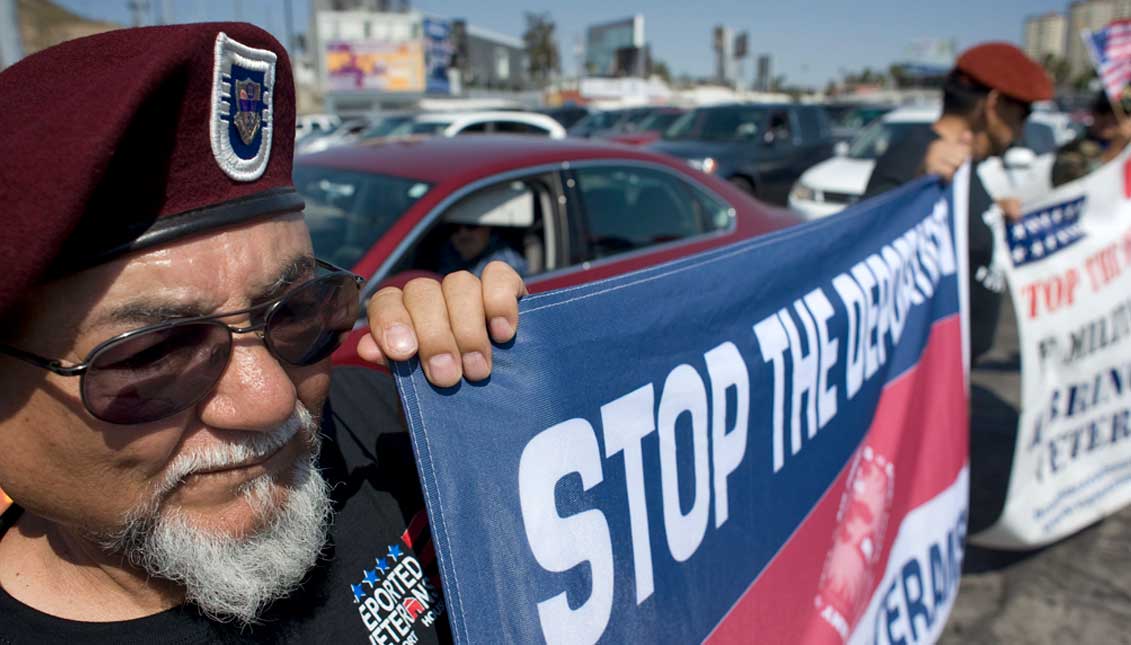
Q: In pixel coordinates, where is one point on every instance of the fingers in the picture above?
(502, 289)
(463, 295)
(446, 323)
(1010, 207)
(439, 353)
(390, 328)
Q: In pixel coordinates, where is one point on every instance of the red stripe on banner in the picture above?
(921, 424)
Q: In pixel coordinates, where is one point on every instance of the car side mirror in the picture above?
(841, 149)
(1019, 158)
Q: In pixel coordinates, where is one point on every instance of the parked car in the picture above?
(386, 124)
(650, 128)
(832, 185)
(306, 124)
(761, 149)
(609, 122)
(492, 122)
(567, 115)
(848, 119)
(576, 211)
(349, 131)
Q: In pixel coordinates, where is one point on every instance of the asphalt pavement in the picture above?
(1076, 591)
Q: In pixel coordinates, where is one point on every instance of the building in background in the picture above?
(1045, 36)
(489, 60)
(723, 44)
(1089, 15)
(617, 49)
(762, 77)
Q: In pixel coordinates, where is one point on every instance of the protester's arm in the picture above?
(945, 156)
(451, 323)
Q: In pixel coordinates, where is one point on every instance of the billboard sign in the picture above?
(373, 66)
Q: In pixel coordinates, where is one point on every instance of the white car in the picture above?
(833, 184)
(497, 122)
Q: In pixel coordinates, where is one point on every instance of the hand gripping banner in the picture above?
(1068, 263)
(764, 443)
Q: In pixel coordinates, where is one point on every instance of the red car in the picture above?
(569, 211)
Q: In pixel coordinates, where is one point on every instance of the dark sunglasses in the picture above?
(156, 371)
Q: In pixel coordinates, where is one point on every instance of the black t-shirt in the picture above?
(378, 581)
(903, 162)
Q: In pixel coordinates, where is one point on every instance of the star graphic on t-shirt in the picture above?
(394, 552)
(370, 578)
(382, 565)
(358, 593)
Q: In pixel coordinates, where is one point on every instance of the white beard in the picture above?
(232, 578)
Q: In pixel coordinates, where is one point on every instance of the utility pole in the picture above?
(289, 26)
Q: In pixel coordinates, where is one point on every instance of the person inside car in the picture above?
(987, 98)
(184, 464)
(472, 247)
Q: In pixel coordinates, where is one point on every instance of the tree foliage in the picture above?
(541, 46)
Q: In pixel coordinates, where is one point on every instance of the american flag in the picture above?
(1111, 51)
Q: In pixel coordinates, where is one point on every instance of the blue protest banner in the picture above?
(766, 442)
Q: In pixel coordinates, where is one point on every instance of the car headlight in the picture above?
(707, 165)
(803, 192)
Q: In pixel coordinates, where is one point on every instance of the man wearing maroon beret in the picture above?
(987, 98)
(183, 465)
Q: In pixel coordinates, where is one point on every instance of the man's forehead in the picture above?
(200, 275)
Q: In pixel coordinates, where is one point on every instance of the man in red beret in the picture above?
(184, 466)
(987, 98)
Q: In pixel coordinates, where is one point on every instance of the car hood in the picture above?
(840, 175)
(694, 149)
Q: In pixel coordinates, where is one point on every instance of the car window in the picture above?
(347, 211)
(628, 208)
(810, 122)
(732, 124)
(780, 127)
(478, 127)
(875, 139)
(658, 121)
(518, 127)
(512, 221)
(428, 127)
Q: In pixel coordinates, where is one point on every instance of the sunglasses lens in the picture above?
(156, 374)
(310, 322)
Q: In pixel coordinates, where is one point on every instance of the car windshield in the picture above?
(347, 211)
(719, 124)
(427, 127)
(658, 121)
(875, 140)
(854, 118)
(386, 126)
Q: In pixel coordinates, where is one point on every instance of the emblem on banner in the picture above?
(846, 580)
(242, 123)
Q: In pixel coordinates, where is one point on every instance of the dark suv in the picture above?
(761, 148)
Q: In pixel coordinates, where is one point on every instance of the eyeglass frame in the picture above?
(56, 366)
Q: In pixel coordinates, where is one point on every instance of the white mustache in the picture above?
(252, 447)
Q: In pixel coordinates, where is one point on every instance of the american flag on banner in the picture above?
(1111, 51)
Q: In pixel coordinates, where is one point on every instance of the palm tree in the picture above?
(541, 47)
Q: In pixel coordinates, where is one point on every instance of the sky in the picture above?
(811, 41)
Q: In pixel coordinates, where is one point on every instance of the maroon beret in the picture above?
(1005, 68)
(132, 138)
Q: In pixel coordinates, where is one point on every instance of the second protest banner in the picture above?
(764, 443)
(1068, 263)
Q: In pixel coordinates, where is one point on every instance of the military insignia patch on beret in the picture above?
(242, 83)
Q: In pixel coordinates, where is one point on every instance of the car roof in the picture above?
(913, 114)
(439, 160)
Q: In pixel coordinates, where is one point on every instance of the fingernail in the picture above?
(443, 368)
(400, 339)
(501, 328)
(475, 366)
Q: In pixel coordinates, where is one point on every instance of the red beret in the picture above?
(1005, 68)
(132, 138)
